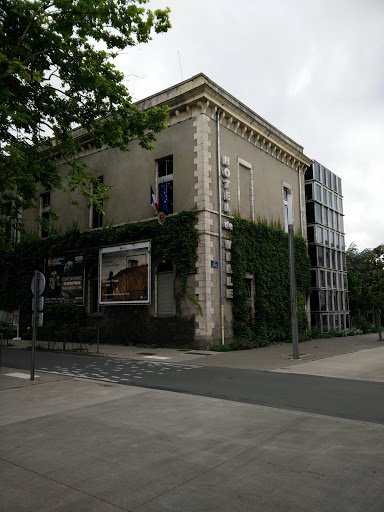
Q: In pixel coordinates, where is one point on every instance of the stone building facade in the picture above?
(256, 166)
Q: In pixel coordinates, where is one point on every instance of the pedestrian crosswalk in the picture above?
(117, 370)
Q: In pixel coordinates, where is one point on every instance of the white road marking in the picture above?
(156, 357)
(20, 375)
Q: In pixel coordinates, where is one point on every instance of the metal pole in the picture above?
(292, 279)
(98, 340)
(218, 112)
(34, 327)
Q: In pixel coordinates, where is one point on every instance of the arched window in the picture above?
(165, 289)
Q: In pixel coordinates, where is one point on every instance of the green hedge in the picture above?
(262, 250)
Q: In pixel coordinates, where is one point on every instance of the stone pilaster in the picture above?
(203, 200)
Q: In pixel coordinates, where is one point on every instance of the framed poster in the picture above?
(125, 274)
(64, 277)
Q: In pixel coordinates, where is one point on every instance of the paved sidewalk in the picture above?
(71, 445)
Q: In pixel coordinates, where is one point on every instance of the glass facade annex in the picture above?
(326, 247)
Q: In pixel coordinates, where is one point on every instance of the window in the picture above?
(45, 206)
(316, 171)
(165, 288)
(165, 184)
(308, 191)
(311, 234)
(249, 284)
(7, 216)
(322, 300)
(313, 279)
(325, 196)
(287, 207)
(319, 235)
(97, 217)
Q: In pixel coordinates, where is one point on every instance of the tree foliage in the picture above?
(56, 72)
(366, 281)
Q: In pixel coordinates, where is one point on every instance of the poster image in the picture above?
(64, 276)
(125, 274)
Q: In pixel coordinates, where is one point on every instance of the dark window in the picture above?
(308, 191)
(320, 256)
(313, 279)
(315, 305)
(316, 171)
(7, 214)
(312, 255)
(97, 217)
(165, 184)
(311, 234)
(311, 213)
(322, 300)
(45, 205)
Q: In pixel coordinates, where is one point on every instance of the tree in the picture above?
(56, 72)
(373, 284)
(366, 282)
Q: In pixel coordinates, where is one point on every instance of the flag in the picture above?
(154, 204)
(165, 199)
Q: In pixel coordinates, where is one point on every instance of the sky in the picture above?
(314, 69)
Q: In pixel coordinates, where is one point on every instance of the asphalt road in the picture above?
(344, 398)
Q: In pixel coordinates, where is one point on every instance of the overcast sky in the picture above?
(314, 69)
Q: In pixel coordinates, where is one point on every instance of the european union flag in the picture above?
(165, 199)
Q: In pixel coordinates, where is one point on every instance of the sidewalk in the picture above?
(72, 445)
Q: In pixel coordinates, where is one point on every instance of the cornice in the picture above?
(241, 121)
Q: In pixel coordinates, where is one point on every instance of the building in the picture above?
(326, 247)
(212, 141)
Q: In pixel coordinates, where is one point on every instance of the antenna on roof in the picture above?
(181, 71)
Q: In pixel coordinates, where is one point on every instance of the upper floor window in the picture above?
(287, 207)
(45, 206)
(7, 217)
(165, 184)
(97, 216)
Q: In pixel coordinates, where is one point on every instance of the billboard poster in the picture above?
(64, 276)
(125, 274)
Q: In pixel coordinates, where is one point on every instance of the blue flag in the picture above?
(165, 199)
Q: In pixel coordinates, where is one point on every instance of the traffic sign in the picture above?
(40, 287)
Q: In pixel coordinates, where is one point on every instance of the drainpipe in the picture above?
(218, 112)
(301, 202)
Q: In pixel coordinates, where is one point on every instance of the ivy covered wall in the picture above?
(176, 241)
(261, 250)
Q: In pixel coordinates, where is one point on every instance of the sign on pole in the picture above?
(37, 287)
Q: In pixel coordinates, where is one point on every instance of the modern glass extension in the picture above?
(326, 247)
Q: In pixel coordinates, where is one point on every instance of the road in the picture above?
(344, 398)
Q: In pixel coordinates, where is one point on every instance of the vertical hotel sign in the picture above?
(227, 225)
(125, 274)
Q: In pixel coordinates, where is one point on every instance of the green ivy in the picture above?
(262, 250)
(176, 240)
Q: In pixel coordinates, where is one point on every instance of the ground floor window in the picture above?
(165, 288)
